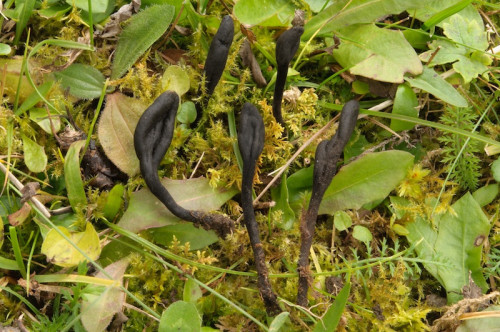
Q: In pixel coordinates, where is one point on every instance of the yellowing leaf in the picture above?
(99, 303)
(379, 54)
(116, 131)
(62, 253)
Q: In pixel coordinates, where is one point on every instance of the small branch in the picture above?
(20, 187)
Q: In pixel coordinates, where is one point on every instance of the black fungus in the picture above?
(251, 143)
(286, 47)
(217, 54)
(327, 155)
(152, 138)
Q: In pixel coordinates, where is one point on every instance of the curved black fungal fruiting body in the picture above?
(251, 143)
(327, 155)
(286, 47)
(217, 54)
(152, 138)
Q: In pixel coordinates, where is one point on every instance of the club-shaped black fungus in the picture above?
(251, 143)
(152, 138)
(327, 155)
(217, 54)
(286, 47)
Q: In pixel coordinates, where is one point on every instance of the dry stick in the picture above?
(327, 155)
(20, 187)
(152, 138)
(251, 143)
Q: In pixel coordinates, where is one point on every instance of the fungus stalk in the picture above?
(251, 143)
(286, 47)
(327, 155)
(152, 138)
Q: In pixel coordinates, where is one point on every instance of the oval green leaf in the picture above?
(72, 176)
(431, 82)
(405, 103)
(342, 220)
(142, 31)
(180, 316)
(187, 114)
(41, 117)
(34, 155)
(370, 178)
(175, 79)
(264, 12)
(361, 233)
(4, 49)
(83, 81)
(145, 211)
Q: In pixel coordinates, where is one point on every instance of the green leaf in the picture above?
(98, 6)
(279, 321)
(192, 292)
(457, 241)
(485, 195)
(114, 202)
(198, 238)
(444, 14)
(145, 211)
(264, 12)
(332, 317)
(83, 81)
(54, 11)
(361, 233)
(25, 9)
(346, 12)
(60, 252)
(380, 54)
(342, 220)
(34, 155)
(495, 169)
(180, 316)
(100, 304)
(34, 97)
(280, 196)
(466, 32)
(433, 8)
(405, 103)
(116, 131)
(187, 114)
(4, 49)
(431, 82)
(74, 183)
(175, 79)
(100, 9)
(371, 177)
(41, 117)
(466, 37)
(8, 264)
(479, 324)
(142, 31)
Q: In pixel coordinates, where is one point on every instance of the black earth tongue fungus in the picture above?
(286, 47)
(152, 138)
(251, 143)
(327, 155)
(217, 54)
